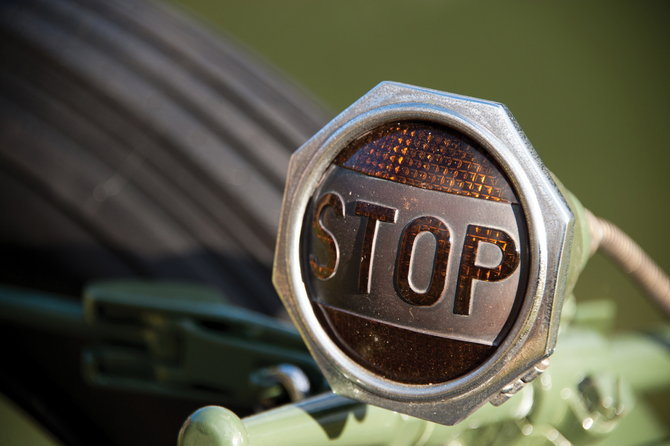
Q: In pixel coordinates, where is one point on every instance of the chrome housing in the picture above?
(550, 228)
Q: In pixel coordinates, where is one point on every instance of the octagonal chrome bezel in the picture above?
(550, 226)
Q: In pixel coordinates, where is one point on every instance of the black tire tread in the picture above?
(165, 145)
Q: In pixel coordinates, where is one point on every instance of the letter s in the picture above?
(325, 272)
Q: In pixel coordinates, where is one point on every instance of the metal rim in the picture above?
(530, 205)
(547, 216)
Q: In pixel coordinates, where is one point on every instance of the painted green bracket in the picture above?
(593, 392)
(173, 339)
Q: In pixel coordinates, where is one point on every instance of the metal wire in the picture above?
(631, 258)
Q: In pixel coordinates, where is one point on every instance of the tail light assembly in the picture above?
(423, 252)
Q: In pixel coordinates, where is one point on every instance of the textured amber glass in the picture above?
(374, 214)
(470, 271)
(441, 233)
(325, 237)
(434, 157)
(401, 355)
(429, 156)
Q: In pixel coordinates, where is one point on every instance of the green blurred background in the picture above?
(587, 81)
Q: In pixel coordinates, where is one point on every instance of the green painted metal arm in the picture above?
(593, 389)
(173, 339)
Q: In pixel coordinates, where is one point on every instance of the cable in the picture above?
(631, 258)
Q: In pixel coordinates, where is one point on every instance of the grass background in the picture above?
(587, 81)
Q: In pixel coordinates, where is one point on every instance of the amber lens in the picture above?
(433, 157)
(428, 156)
(401, 355)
